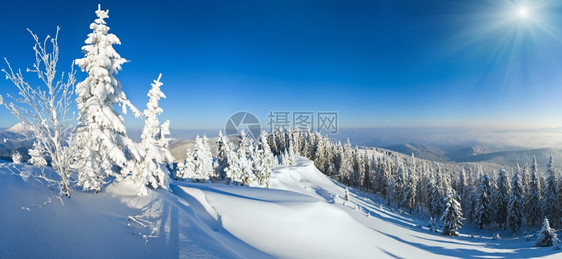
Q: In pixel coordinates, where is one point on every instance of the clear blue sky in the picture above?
(394, 63)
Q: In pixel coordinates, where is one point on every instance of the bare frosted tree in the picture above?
(46, 109)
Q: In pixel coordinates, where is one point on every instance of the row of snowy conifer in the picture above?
(249, 163)
(423, 186)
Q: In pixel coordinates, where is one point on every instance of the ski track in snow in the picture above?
(301, 216)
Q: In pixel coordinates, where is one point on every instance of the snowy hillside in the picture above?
(13, 139)
(302, 216)
(20, 128)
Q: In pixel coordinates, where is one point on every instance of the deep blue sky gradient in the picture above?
(395, 63)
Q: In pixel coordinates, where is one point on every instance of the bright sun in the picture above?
(522, 12)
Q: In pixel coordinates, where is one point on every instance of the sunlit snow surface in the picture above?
(302, 216)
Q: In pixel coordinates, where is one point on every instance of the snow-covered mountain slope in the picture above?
(20, 128)
(302, 216)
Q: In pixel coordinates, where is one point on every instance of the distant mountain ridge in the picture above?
(480, 153)
(420, 151)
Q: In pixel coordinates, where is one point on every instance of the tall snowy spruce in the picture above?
(483, 213)
(410, 189)
(547, 236)
(550, 198)
(525, 181)
(151, 169)
(101, 133)
(186, 169)
(233, 171)
(433, 196)
(245, 158)
(221, 162)
(452, 216)
(436, 193)
(263, 161)
(346, 168)
(398, 184)
(501, 199)
(534, 196)
(516, 204)
(203, 160)
(240, 170)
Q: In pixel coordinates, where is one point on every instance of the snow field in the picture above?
(301, 216)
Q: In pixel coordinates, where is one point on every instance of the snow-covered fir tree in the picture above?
(433, 196)
(272, 141)
(410, 189)
(452, 216)
(463, 181)
(367, 183)
(101, 133)
(559, 198)
(246, 168)
(390, 195)
(321, 160)
(436, 193)
(516, 203)
(534, 196)
(472, 203)
(286, 158)
(223, 149)
(186, 169)
(246, 144)
(234, 169)
(240, 170)
(346, 195)
(461, 187)
(398, 186)
(358, 168)
(263, 161)
(525, 179)
(547, 236)
(424, 181)
(203, 160)
(550, 207)
(383, 177)
(289, 155)
(337, 159)
(151, 169)
(305, 143)
(542, 183)
(484, 211)
(346, 168)
(501, 198)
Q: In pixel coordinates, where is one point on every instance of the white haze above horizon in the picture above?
(445, 138)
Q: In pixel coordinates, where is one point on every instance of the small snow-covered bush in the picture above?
(36, 154)
(16, 157)
(547, 236)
